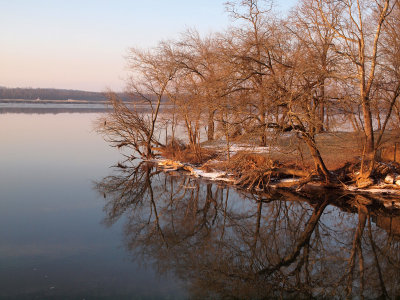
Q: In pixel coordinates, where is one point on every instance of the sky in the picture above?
(81, 44)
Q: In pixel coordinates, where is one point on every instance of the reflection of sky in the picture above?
(47, 165)
(50, 216)
(49, 149)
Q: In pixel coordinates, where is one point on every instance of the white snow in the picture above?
(255, 149)
(216, 176)
(169, 165)
(390, 178)
(388, 204)
(376, 190)
(234, 148)
(380, 191)
(288, 180)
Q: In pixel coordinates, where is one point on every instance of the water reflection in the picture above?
(227, 244)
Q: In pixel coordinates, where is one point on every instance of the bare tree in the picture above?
(128, 125)
(358, 30)
(388, 88)
(253, 53)
(197, 57)
(315, 41)
(152, 72)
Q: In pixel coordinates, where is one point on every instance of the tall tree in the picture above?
(358, 31)
(254, 54)
(198, 58)
(305, 24)
(151, 72)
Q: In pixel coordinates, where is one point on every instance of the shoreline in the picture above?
(293, 184)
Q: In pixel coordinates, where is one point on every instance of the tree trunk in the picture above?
(321, 118)
(153, 125)
(210, 127)
(369, 152)
(316, 155)
(263, 125)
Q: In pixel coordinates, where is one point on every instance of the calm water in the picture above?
(71, 227)
(53, 242)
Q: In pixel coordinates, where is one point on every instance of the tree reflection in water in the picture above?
(228, 244)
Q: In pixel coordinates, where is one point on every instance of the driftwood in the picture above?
(171, 165)
(261, 178)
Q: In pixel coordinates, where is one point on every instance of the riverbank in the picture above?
(254, 169)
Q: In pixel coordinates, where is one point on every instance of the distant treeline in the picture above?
(54, 94)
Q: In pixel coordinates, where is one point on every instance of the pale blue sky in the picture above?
(80, 44)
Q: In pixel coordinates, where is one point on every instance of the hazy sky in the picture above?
(80, 44)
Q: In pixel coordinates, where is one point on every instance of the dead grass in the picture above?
(181, 152)
(336, 149)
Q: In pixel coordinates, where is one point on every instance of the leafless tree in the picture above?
(253, 51)
(128, 125)
(359, 30)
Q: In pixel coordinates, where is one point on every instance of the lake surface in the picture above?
(53, 243)
(73, 227)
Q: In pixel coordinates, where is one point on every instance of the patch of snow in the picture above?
(379, 191)
(170, 165)
(217, 176)
(351, 188)
(254, 149)
(390, 178)
(375, 190)
(392, 204)
(288, 180)
(234, 148)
